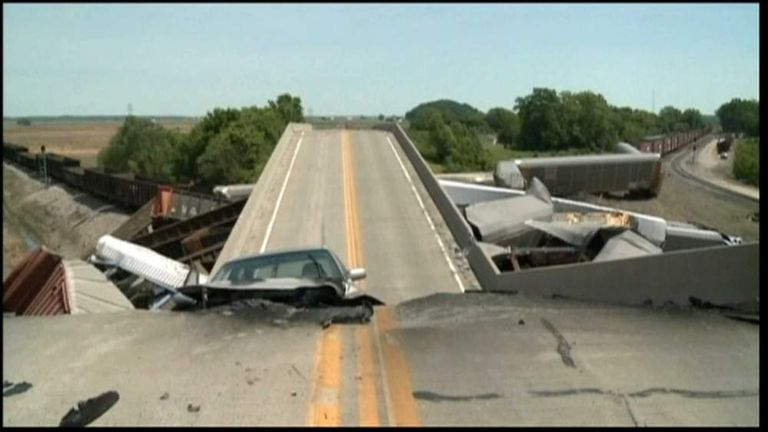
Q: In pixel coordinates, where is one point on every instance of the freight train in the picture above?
(124, 189)
(663, 144)
(634, 172)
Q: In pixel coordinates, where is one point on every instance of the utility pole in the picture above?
(130, 109)
(653, 101)
(45, 165)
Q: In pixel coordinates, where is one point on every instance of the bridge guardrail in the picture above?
(719, 274)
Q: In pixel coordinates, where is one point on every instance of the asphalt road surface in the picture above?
(432, 356)
(355, 192)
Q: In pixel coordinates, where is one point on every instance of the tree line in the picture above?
(546, 120)
(740, 116)
(228, 146)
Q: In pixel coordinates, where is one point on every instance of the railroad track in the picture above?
(676, 160)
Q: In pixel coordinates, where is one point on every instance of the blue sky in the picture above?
(368, 59)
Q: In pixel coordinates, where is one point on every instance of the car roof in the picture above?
(281, 252)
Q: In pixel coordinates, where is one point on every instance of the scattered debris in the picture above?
(250, 382)
(89, 410)
(293, 394)
(14, 389)
(347, 315)
(193, 408)
(521, 322)
(165, 396)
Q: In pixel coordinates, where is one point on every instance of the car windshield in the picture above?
(316, 264)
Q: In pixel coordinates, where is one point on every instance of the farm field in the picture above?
(81, 139)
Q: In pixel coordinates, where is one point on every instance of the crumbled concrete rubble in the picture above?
(284, 315)
(525, 232)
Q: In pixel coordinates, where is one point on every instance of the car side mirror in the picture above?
(357, 274)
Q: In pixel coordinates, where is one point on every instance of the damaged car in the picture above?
(303, 277)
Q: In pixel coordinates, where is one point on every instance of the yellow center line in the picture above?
(325, 405)
(403, 408)
(324, 409)
(368, 404)
(325, 402)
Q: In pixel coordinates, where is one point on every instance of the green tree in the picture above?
(441, 136)
(191, 148)
(670, 118)
(589, 121)
(23, 122)
(746, 161)
(466, 153)
(542, 120)
(505, 123)
(289, 108)
(239, 153)
(740, 116)
(142, 147)
(692, 118)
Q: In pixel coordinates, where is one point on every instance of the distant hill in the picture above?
(450, 109)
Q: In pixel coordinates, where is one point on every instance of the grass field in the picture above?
(81, 139)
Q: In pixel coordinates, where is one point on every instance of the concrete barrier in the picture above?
(481, 265)
(719, 274)
(240, 240)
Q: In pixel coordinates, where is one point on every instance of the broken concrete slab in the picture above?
(507, 174)
(503, 221)
(626, 245)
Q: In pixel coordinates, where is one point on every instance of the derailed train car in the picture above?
(636, 170)
(563, 176)
(124, 189)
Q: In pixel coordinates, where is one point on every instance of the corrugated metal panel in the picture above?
(142, 261)
(37, 286)
(585, 160)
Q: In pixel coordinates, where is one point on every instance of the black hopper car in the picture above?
(122, 189)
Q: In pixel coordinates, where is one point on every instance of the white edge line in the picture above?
(426, 215)
(280, 196)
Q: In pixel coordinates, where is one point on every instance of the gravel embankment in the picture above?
(68, 222)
